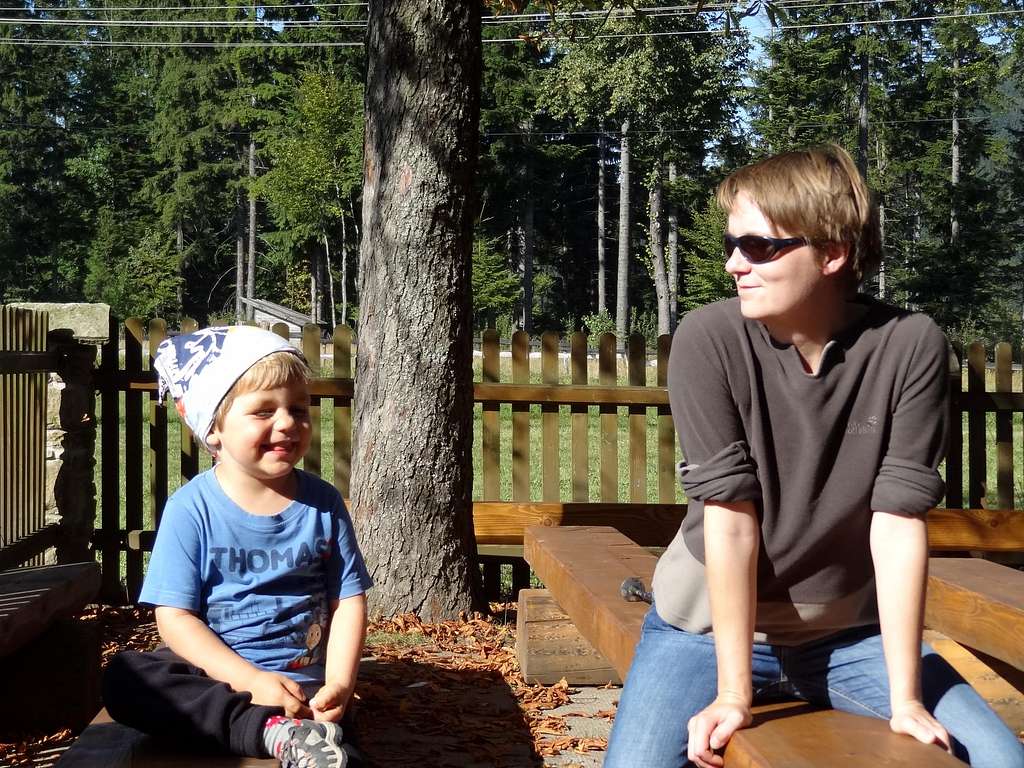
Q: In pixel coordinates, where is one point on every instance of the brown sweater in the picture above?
(817, 454)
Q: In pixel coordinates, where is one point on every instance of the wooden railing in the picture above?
(550, 447)
(24, 361)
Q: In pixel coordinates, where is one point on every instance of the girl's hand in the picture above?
(912, 719)
(711, 729)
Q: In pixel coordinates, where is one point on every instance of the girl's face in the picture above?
(783, 289)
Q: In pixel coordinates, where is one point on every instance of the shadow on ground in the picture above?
(411, 713)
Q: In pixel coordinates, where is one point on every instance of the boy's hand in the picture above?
(276, 690)
(329, 702)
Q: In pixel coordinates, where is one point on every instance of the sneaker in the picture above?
(313, 745)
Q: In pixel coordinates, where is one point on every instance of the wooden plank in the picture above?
(110, 467)
(573, 562)
(550, 647)
(637, 373)
(986, 530)
(955, 448)
(977, 455)
(794, 735)
(491, 419)
(666, 431)
(112, 745)
(189, 446)
(580, 421)
(550, 448)
(984, 675)
(583, 567)
(31, 598)
(607, 375)
(978, 603)
(1004, 428)
(522, 394)
(158, 449)
(311, 349)
(134, 339)
(342, 341)
(520, 419)
(648, 524)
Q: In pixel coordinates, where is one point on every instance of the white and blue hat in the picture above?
(198, 369)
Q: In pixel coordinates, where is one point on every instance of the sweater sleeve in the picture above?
(908, 481)
(717, 465)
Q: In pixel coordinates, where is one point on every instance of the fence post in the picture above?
(76, 330)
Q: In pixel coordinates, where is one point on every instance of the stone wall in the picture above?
(76, 333)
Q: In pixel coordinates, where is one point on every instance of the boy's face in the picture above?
(264, 433)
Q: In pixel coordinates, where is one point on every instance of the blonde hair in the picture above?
(275, 370)
(815, 193)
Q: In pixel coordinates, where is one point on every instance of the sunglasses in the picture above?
(757, 249)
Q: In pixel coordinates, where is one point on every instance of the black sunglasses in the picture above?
(757, 249)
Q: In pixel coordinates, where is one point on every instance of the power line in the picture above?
(56, 9)
(615, 36)
(361, 24)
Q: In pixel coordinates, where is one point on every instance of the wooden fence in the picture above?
(23, 364)
(560, 405)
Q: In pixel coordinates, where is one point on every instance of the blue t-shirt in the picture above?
(261, 583)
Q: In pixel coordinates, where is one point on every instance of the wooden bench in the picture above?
(45, 648)
(32, 598)
(583, 566)
(112, 745)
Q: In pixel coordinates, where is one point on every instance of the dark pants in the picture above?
(163, 695)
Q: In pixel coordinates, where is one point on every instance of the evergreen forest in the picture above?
(172, 158)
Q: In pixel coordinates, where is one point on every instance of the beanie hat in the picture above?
(198, 369)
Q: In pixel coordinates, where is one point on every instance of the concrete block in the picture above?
(88, 322)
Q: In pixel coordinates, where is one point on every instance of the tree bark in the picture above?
(655, 199)
(622, 281)
(602, 288)
(412, 478)
(672, 256)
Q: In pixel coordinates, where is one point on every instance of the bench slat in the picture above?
(978, 603)
(583, 566)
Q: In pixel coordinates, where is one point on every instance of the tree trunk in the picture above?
(672, 256)
(333, 314)
(602, 288)
(862, 116)
(658, 249)
(314, 285)
(250, 284)
(344, 273)
(526, 244)
(239, 256)
(954, 173)
(412, 463)
(622, 281)
(179, 242)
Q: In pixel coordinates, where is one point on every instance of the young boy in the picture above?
(256, 576)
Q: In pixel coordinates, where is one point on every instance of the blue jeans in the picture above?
(673, 677)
